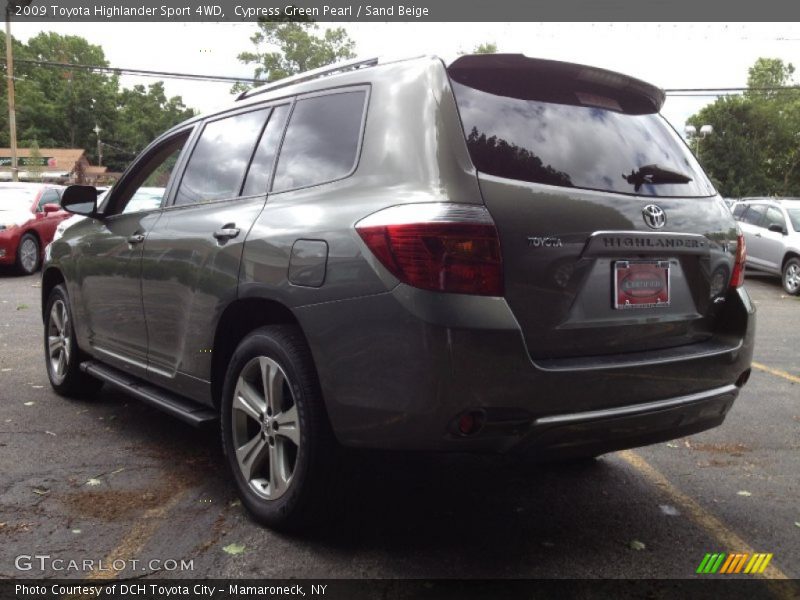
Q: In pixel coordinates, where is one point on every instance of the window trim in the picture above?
(290, 102)
(367, 89)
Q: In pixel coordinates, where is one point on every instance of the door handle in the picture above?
(758, 235)
(226, 233)
(136, 239)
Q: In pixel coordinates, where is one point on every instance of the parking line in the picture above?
(727, 538)
(137, 537)
(778, 372)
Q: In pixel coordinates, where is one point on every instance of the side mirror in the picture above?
(80, 200)
(51, 207)
(777, 228)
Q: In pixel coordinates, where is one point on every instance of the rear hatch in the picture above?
(613, 238)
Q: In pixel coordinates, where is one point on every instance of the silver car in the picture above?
(771, 228)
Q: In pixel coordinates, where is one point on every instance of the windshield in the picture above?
(17, 198)
(794, 217)
(585, 143)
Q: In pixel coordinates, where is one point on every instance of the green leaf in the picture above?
(637, 545)
(234, 549)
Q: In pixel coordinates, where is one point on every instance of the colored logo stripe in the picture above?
(734, 563)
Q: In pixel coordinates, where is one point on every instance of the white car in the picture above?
(771, 228)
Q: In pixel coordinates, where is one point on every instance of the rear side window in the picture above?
(574, 140)
(321, 142)
(738, 210)
(754, 214)
(219, 160)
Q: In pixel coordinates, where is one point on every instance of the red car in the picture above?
(29, 214)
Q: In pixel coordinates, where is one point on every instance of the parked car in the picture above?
(29, 214)
(503, 255)
(771, 228)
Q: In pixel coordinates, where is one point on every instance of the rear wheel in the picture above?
(28, 254)
(62, 355)
(791, 276)
(275, 432)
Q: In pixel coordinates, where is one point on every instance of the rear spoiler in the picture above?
(521, 77)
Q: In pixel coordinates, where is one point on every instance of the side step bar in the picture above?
(178, 406)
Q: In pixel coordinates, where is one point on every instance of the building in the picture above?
(54, 165)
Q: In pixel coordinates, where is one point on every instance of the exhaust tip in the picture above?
(743, 378)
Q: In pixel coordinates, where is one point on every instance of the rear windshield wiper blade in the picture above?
(654, 174)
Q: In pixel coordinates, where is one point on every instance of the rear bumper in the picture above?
(398, 369)
(597, 432)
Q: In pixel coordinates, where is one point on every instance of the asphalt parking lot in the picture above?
(112, 479)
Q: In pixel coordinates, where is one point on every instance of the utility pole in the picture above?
(12, 112)
(97, 131)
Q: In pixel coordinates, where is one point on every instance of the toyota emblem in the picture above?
(654, 216)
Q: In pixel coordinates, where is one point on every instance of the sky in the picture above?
(670, 55)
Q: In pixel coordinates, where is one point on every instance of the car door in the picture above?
(110, 260)
(192, 255)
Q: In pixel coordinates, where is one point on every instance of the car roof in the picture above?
(27, 185)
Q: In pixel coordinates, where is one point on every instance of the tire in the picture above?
(62, 355)
(279, 446)
(791, 276)
(28, 254)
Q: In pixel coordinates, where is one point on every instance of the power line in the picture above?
(137, 72)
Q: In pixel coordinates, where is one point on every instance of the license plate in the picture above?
(641, 284)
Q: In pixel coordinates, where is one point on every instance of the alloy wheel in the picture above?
(265, 428)
(791, 278)
(59, 340)
(28, 254)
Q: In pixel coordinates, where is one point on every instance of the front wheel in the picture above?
(275, 432)
(62, 355)
(28, 254)
(791, 276)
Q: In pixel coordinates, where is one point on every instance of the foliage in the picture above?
(35, 166)
(60, 108)
(754, 148)
(485, 48)
(284, 48)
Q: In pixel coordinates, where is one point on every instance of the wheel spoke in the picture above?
(65, 348)
(277, 471)
(53, 345)
(251, 456)
(288, 426)
(272, 379)
(247, 399)
(61, 364)
(55, 317)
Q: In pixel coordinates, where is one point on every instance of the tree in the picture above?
(61, 107)
(142, 115)
(35, 161)
(485, 48)
(286, 48)
(755, 147)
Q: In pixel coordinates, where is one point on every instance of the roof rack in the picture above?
(358, 63)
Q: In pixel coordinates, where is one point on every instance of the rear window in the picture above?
(575, 143)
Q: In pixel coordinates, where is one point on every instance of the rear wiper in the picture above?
(654, 174)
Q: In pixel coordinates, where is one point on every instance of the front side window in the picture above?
(322, 140)
(145, 188)
(48, 197)
(774, 217)
(219, 160)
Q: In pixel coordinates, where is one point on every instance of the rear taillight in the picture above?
(737, 279)
(437, 246)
